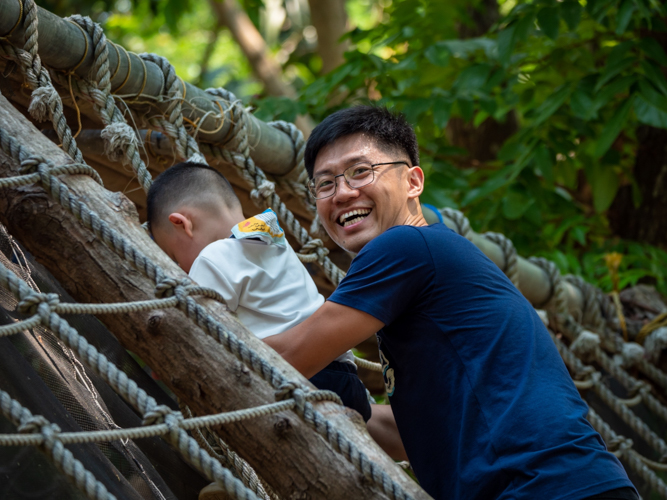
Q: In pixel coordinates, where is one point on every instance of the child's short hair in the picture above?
(187, 183)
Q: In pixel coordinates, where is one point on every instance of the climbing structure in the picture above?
(121, 118)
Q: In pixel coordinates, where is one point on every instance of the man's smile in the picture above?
(350, 217)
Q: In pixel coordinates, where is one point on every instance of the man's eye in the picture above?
(360, 171)
(324, 183)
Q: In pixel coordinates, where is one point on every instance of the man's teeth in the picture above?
(353, 217)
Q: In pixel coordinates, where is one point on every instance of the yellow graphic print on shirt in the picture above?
(263, 226)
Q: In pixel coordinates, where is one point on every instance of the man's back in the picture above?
(484, 404)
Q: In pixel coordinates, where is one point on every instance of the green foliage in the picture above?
(576, 78)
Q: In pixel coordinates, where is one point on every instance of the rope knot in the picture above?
(619, 444)
(631, 354)
(31, 303)
(38, 424)
(43, 103)
(263, 191)
(314, 248)
(585, 343)
(158, 415)
(118, 137)
(169, 287)
(32, 164)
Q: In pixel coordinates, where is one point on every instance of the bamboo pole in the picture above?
(62, 45)
(287, 453)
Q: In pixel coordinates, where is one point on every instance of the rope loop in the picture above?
(38, 424)
(264, 190)
(168, 286)
(30, 304)
(31, 164)
(158, 415)
(314, 247)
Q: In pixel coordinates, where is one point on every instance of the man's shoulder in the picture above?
(398, 237)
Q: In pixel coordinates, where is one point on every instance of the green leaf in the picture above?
(649, 94)
(582, 104)
(544, 160)
(464, 48)
(604, 185)
(655, 75)
(608, 92)
(466, 108)
(473, 77)
(414, 108)
(652, 48)
(548, 19)
(515, 204)
(613, 127)
(552, 103)
(650, 115)
(612, 69)
(506, 44)
(624, 16)
(524, 26)
(570, 11)
(438, 55)
(441, 112)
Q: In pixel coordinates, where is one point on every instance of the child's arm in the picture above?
(328, 333)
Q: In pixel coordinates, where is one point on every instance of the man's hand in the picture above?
(332, 330)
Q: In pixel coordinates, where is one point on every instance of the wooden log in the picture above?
(286, 452)
(62, 45)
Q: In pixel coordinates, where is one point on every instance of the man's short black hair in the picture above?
(388, 129)
(187, 183)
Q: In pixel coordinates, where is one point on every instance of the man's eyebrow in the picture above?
(348, 163)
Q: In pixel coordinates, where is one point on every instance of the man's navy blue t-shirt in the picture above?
(483, 402)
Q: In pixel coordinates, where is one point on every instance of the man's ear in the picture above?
(415, 182)
(181, 223)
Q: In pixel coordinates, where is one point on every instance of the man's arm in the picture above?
(329, 332)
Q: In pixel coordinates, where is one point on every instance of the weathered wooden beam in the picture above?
(285, 451)
(62, 45)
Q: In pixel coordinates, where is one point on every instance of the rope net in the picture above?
(85, 391)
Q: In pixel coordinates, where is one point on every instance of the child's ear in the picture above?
(181, 223)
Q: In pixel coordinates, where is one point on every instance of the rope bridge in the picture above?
(595, 314)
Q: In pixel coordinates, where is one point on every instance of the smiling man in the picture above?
(483, 402)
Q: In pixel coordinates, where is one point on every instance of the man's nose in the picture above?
(344, 192)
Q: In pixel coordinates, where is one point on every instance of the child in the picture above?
(196, 218)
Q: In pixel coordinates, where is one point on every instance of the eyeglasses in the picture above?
(356, 176)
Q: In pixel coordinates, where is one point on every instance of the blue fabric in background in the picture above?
(484, 404)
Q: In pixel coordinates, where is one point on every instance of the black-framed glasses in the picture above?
(357, 176)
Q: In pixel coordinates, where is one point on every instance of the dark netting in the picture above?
(42, 374)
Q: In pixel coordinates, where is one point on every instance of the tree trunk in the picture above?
(330, 21)
(648, 221)
(483, 142)
(286, 452)
(231, 15)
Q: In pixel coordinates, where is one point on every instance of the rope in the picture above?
(167, 287)
(511, 269)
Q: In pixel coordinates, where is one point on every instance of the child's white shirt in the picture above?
(265, 284)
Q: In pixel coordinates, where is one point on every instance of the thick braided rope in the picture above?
(45, 100)
(557, 301)
(591, 316)
(263, 192)
(121, 140)
(634, 386)
(627, 454)
(217, 448)
(511, 269)
(186, 146)
(53, 447)
(460, 221)
(611, 400)
(173, 428)
(208, 324)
